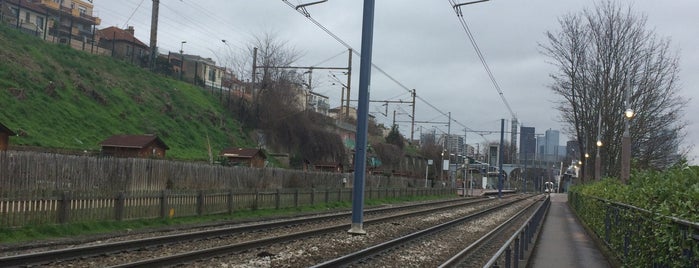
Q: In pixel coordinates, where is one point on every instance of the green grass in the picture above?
(43, 232)
(98, 96)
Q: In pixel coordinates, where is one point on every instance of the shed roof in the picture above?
(3, 128)
(241, 152)
(132, 141)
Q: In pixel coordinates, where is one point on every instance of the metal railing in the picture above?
(514, 250)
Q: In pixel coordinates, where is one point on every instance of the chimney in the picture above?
(130, 30)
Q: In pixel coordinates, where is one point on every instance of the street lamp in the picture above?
(626, 137)
(182, 58)
(441, 172)
(598, 160)
(585, 168)
(626, 147)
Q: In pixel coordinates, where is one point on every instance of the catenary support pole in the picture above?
(362, 119)
(501, 153)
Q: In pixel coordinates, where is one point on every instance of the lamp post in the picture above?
(598, 160)
(626, 147)
(585, 169)
(441, 171)
(182, 58)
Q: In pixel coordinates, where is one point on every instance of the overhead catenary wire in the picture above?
(472, 39)
(356, 52)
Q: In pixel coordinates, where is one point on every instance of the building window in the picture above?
(15, 11)
(40, 22)
(26, 17)
(212, 75)
(83, 10)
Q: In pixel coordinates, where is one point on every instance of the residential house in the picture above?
(148, 145)
(248, 157)
(123, 44)
(59, 21)
(339, 112)
(198, 70)
(317, 102)
(5, 134)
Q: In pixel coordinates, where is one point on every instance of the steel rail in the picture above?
(188, 257)
(39, 258)
(378, 249)
(466, 252)
(528, 227)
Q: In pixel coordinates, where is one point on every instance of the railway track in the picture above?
(108, 249)
(388, 253)
(192, 258)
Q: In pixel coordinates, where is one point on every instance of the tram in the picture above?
(548, 187)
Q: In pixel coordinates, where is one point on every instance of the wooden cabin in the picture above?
(248, 157)
(139, 146)
(5, 134)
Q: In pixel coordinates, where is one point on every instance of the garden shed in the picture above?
(5, 134)
(249, 157)
(142, 146)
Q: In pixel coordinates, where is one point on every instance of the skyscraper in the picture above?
(551, 145)
(527, 143)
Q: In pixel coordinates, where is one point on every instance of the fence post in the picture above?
(296, 198)
(200, 202)
(327, 196)
(517, 252)
(255, 202)
(230, 201)
(339, 195)
(524, 241)
(64, 208)
(313, 196)
(277, 199)
(508, 256)
(163, 204)
(119, 206)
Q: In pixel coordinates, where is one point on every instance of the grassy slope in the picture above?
(96, 96)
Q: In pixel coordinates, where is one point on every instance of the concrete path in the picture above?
(563, 241)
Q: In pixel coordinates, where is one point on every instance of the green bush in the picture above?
(636, 220)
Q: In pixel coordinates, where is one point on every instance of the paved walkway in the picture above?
(563, 241)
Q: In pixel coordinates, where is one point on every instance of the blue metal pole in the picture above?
(502, 153)
(362, 119)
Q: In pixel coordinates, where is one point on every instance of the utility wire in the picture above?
(132, 13)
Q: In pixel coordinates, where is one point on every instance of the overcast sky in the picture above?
(420, 44)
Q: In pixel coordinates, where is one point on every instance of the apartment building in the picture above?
(59, 21)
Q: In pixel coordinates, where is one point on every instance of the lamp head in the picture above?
(599, 143)
(629, 113)
(587, 155)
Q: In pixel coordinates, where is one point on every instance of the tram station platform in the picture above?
(563, 242)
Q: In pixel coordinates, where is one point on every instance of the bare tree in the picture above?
(600, 54)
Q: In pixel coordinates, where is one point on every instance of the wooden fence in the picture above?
(44, 188)
(32, 173)
(71, 207)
